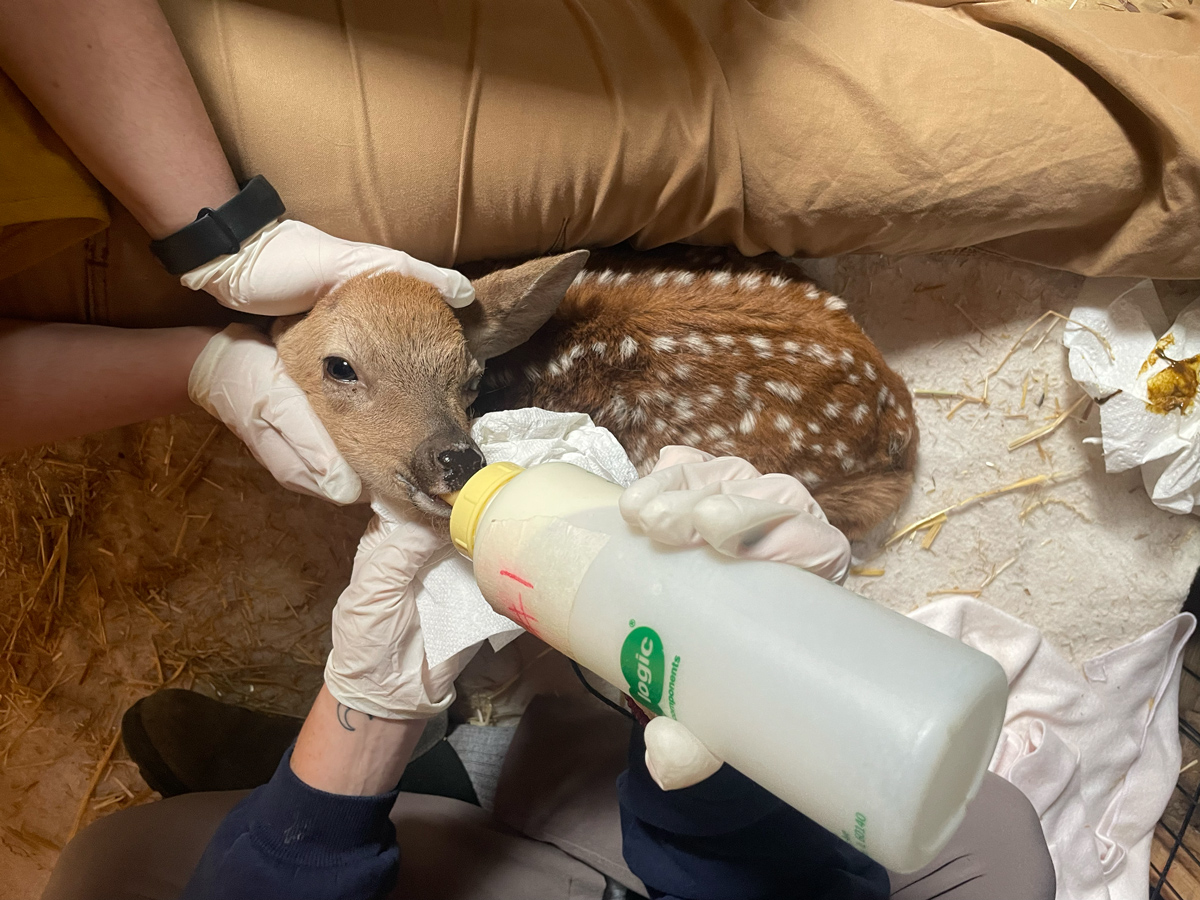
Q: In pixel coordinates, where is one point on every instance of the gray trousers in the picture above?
(554, 834)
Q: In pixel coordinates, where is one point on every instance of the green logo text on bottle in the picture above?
(643, 663)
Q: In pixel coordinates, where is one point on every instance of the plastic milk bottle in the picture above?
(875, 726)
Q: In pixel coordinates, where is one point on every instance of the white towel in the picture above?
(1096, 751)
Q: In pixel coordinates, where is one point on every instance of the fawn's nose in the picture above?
(458, 464)
(444, 461)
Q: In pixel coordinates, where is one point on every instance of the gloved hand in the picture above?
(239, 379)
(693, 498)
(378, 665)
(288, 266)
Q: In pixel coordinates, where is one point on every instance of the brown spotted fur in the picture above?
(714, 367)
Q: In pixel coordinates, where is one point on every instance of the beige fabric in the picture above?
(465, 129)
(460, 130)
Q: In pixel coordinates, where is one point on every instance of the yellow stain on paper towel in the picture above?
(1175, 387)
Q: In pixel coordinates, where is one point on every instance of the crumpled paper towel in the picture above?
(453, 613)
(1126, 370)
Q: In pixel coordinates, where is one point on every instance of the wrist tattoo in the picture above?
(343, 716)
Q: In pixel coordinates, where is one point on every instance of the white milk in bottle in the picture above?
(876, 727)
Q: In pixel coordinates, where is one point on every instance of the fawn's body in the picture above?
(730, 355)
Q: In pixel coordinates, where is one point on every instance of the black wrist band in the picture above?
(220, 231)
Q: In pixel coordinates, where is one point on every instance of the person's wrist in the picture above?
(220, 231)
(343, 751)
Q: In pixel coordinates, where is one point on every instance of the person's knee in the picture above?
(1019, 846)
(145, 852)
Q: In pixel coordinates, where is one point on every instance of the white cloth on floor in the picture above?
(453, 613)
(1096, 751)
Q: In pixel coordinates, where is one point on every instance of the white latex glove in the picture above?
(378, 665)
(239, 379)
(693, 498)
(288, 266)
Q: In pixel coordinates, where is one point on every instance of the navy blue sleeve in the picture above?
(728, 839)
(289, 840)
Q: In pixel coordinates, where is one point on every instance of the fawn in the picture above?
(691, 346)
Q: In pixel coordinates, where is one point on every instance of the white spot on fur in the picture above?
(724, 340)
(623, 277)
(820, 354)
(808, 478)
(796, 439)
(901, 414)
(811, 292)
(853, 378)
(847, 357)
(814, 427)
(660, 279)
(563, 364)
(835, 303)
(761, 345)
(869, 371)
(748, 423)
(683, 371)
(663, 344)
(660, 425)
(599, 347)
(784, 391)
(581, 278)
(604, 277)
(698, 343)
(782, 422)
(791, 347)
(840, 450)
(721, 278)
(741, 387)
(711, 396)
(778, 281)
(849, 463)
(684, 277)
(750, 280)
(684, 411)
(716, 432)
(618, 409)
(817, 449)
(859, 413)
(627, 347)
(832, 409)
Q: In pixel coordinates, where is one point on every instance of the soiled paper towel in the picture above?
(1145, 376)
(453, 613)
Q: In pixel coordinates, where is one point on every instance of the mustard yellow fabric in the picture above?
(48, 201)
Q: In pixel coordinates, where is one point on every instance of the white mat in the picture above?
(1089, 561)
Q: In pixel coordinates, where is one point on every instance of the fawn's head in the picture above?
(391, 370)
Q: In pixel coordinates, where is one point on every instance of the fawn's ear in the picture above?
(511, 304)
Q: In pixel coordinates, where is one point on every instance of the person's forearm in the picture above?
(63, 381)
(343, 751)
(109, 78)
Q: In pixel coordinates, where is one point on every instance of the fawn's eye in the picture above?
(340, 370)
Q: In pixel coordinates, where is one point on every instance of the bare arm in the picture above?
(109, 78)
(66, 380)
(343, 751)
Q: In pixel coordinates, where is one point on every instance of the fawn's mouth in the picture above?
(435, 506)
(427, 503)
